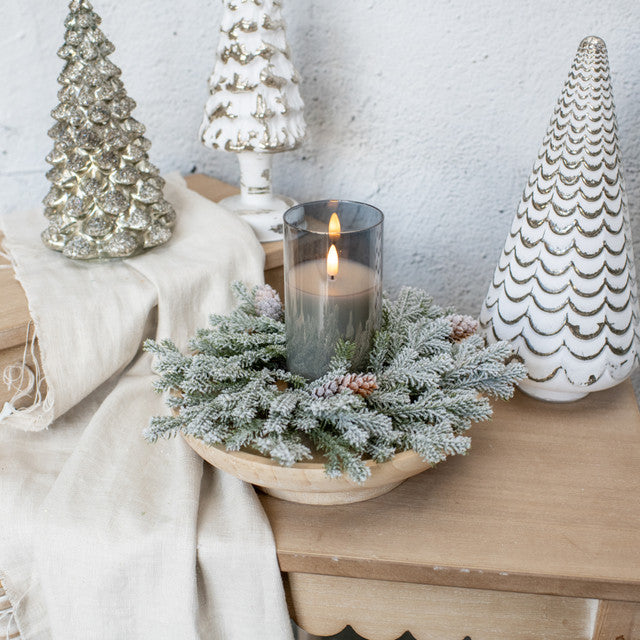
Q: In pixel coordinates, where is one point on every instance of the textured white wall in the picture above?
(434, 111)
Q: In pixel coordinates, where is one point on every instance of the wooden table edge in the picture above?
(462, 577)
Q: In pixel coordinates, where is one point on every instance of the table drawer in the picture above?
(383, 610)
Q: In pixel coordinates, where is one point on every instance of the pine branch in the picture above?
(162, 427)
(422, 390)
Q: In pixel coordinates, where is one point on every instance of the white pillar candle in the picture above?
(324, 308)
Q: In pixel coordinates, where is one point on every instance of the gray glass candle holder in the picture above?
(333, 282)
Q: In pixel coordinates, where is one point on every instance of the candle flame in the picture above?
(332, 262)
(334, 226)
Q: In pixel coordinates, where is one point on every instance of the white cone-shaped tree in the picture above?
(254, 108)
(564, 290)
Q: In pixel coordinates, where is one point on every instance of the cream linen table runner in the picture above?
(103, 535)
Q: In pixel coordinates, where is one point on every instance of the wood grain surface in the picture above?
(617, 621)
(546, 502)
(14, 310)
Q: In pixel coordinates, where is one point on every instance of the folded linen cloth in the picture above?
(101, 534)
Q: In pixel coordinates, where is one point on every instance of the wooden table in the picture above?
(14, 310)
(534, 535)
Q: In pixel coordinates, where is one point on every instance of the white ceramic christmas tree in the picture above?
(255, 108)
(564, 290)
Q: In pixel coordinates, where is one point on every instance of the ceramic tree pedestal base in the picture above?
(564, 390)
(256, 204)
(550, 395)
(266, 221)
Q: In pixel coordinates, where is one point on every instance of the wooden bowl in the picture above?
(306, 482)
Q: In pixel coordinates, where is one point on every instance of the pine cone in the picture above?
(326, 390)
(461, 327)
(361, 383)
(267, 302)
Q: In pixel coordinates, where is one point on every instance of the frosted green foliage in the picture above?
(234, 388)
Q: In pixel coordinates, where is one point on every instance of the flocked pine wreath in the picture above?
(425, 385)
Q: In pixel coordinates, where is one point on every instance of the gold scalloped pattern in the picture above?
(564, 289)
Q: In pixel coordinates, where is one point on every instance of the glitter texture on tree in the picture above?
(106, 197)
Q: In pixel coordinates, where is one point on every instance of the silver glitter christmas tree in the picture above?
(106, 197)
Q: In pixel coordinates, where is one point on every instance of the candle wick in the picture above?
(332, 277)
